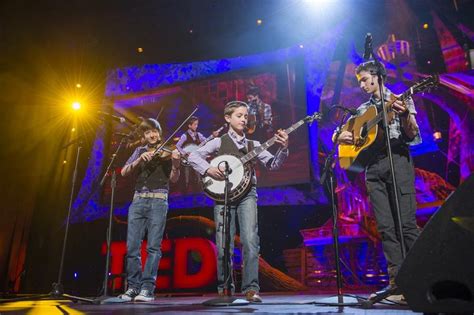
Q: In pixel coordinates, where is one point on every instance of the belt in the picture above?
(150, 194)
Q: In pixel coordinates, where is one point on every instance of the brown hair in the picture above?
(192, 119)
(372, 67)
(253, 90)
(232, 106)
(148, 124)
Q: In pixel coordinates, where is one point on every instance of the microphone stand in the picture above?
(105, 298)
(379, 297)
(57, 291)
(327, 178)
(227, 299)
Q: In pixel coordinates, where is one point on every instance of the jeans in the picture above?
(246, 210)
(145, 215)
(379, 187)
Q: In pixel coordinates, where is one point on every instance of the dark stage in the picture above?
(274, 303)
(120, 120)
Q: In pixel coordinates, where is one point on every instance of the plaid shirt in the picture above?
(254, 109)
(395, 126)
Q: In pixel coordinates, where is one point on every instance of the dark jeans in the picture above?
(145, 215)
(379, 187)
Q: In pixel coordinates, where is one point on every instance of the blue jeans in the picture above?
(145, 215)
(246, 210)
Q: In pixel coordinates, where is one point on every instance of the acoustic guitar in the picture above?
(368, 137)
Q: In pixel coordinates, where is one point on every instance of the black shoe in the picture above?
(384, 293)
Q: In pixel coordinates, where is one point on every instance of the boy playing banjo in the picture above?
(235, 143)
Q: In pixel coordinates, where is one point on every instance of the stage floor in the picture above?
(273, 304)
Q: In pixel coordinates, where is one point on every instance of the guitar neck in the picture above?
(256, 151)
(388, 107)
(211, 137)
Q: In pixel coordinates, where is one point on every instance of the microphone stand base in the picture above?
(226, 301)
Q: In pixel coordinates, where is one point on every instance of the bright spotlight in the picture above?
(321, 7)
(76, 106)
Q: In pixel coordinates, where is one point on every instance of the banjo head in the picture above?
(215, 188)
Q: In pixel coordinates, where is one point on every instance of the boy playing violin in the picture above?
(148, 210)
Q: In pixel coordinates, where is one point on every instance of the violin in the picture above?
(163, 153)
(165, 150)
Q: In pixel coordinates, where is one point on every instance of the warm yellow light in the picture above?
(78, 85)
(76, 106)
(425, 26)
(73, 129)
(64, 162)
(259, 22)
(140, 49)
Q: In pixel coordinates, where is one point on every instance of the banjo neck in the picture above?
(256, 151)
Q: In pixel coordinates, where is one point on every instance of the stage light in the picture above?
(437, 136)
(428, 62)
(73, 129)
(75, 275)
(318, 3)
(425, 26)
(76, 106)
(64, 162)
(301, 46)
(191, 31)
(259, 22)
(78, 85)
(140, 49)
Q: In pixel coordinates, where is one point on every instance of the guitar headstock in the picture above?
(316, 116)
(426, 84)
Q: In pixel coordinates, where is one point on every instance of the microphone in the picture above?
(368, 46)
(113, 117)
(227, 169)
(349, 110)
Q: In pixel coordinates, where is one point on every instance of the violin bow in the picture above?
(175, 131)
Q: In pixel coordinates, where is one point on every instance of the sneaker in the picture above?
(252, 296)
(145, 296)
(129, 295)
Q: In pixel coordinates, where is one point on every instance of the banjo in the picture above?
(191, 147)
(240, 174)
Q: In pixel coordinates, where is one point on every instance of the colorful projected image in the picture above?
(271, 97)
